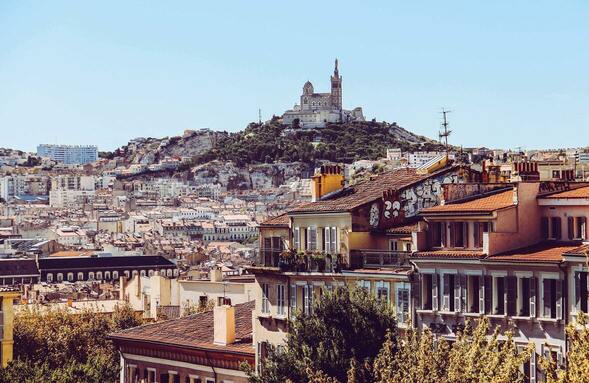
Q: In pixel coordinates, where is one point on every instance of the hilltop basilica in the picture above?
(317, 109)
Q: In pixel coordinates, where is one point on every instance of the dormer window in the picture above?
(459, 234)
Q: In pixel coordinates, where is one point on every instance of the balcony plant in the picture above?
(318, 261)
(287, 259)
(300, 262)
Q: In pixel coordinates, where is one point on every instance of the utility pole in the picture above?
(445, 133)
(260, 116)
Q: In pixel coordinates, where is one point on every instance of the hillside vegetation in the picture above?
(272, 142)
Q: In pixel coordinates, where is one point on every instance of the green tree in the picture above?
(346, 328)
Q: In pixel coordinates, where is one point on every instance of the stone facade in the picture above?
(317, 109)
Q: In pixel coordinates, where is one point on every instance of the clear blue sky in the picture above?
(515, 73)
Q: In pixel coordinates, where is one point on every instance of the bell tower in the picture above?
(336, 88)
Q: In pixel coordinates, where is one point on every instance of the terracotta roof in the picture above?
(543, 252)
(582, 250)
(403, 229)
(449, 254)
(195, 331)
(364, 192)
(281, 220)
(582, 192)
(485, 204)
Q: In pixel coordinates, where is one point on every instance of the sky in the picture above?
(513, 73)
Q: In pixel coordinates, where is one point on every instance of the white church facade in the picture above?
(317, 109)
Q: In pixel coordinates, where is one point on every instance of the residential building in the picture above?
(7, 297)
(69, 154)
(202, 348)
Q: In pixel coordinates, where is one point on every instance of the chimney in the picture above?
(327, 179)
(216, 274)
(224, 323)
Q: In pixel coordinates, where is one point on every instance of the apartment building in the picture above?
(511, 252)
(69, 154)
(355, 235)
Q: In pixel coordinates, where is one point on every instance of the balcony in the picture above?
(302, 262)
(366, 258)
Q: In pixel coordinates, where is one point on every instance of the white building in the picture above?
(69, 154)
(70, 198)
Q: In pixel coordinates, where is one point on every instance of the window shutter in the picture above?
(577, 291)
(571, 227)
(533, 367)
(488, 294)
(445, 292)
(435, 292)
(416, 291)
(559, 310)
(533, 297)
(583, 227)
(544, 224)
(481, 294)
(297, 238)
(334, 247)
(463, 299)
(457, 289)
(511, 295)
(546, 297)
(327, 240)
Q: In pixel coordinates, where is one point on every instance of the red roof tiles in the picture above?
(281, 220)
(195, 331)
(485, 204)
(544, 252)
(582, 192)
(449, 254)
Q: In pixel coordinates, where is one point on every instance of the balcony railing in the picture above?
(293, 261)
(378, 258)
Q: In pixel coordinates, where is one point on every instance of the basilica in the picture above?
(317, 109)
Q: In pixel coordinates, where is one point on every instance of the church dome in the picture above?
(308, 88)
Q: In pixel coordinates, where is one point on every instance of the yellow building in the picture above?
(356, 235)
(8, 295)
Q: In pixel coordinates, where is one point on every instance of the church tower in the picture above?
(336, 89)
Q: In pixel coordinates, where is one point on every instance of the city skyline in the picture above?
(81, 74)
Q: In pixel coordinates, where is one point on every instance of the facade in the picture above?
(201, 348)
(7, 297)
(357, 235)
(317, 109)
(69, 154)
(105, 268)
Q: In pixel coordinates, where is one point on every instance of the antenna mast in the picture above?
(260, 116)
(445, 133)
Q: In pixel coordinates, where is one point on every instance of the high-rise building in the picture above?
(69, 154)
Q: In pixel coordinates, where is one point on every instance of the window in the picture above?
(280, 299)
(581, 295)
(49, 277)
(91, 276)
(448, 292)
(265, 301)
(115, 275)
(552, 298)
(402, 302)
(308, 299)
(427, 291)
(473, 294)
(70, 277)
(293, 299)
(382, 291)
(262, 354)
(312, 238)
(364, 285)
(142, 273)
(80, 276)
(479, 229)
(499, 296)
(151, 375)
(150, 273)
(437, 234)
(555, 228)
(330, 240)
(459, 234)
(545, 228)
(577, 228)
(59, 277)
(132, 374)
(526, 297)
(297, 238)
(99, 275)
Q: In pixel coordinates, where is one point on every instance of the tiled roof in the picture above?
(17, 267)
(575, 193)
(485, 204)
(364, 192)
(449, 254)
(582, 250)
(281, 220)
(195, 331)
(403, 229)
(544, 252)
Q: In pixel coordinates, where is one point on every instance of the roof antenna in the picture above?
(260, 116)
(445, 133)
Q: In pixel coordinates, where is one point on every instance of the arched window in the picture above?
(70, 277)
(135, 273)
(142, 273)
(91, 275)
(169, 272)
(175, 272)
(80, 276)
(127, 274)
(150, 273)
(115, 275)
(99, 275)
(59, 277)
(107, 275)
(49, 277)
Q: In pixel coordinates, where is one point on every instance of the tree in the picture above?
(346, 328)
(473, 357)
(62, 347)
(577, 369)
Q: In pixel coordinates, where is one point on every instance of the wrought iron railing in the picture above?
(378, 258)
